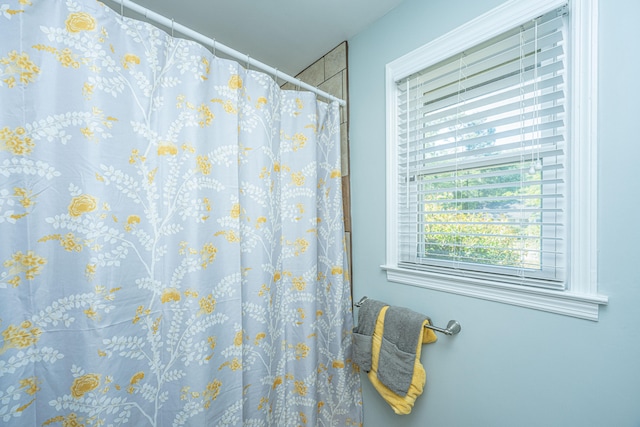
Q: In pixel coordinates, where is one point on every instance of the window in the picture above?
(490, 166)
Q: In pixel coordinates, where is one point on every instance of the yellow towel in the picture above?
(401, 405)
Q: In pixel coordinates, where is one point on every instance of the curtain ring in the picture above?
(276, 77)
(248, 60)
(122, 8)
(213, 45)
(171, 27)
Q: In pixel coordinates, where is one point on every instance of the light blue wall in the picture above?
(510, 366)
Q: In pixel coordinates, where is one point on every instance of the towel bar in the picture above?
(453, 327)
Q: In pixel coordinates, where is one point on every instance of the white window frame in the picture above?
(580, 298)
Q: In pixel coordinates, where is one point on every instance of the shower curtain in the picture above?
(171, 233)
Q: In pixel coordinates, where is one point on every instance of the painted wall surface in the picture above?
(510, 366)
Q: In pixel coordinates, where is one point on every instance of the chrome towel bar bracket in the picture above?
(453, 327)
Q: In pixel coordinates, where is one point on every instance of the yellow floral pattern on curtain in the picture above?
(171, 233)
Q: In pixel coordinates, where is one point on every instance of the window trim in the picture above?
(581, 298)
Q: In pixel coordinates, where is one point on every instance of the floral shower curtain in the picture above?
(171, 238)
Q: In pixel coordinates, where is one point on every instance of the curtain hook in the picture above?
(276, 76)
(171, 27)
(213, 45)
(121, 8)
(248, 60)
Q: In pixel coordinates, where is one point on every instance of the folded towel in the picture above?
(400, 403)
(363, 333)
(403, 329)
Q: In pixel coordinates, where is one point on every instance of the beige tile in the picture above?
(288, 86)
(346, 202)
(345, 84)
(347, 239)
(333, 86)
(336, 60)
(344, 111)
(344, 149)
(314, 74)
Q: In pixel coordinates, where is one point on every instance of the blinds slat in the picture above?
(492, 173)
(500, 44)
(511, 223)
(436, 104)
(493, 199)
(460, 157)
(497, 248)
(468, 127)
(488, 211)
(417, 107)
(502, 185)
(429, 124)
(510, 236)
(496, 69)
(480, 162)
(509, 275)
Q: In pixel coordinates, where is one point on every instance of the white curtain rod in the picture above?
(208, 41)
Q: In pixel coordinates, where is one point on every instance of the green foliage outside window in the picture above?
(485, 225)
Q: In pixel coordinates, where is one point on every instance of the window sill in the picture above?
(584, 306)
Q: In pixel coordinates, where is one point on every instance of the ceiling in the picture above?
(285, 34)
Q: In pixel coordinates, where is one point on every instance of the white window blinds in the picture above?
(481, 159)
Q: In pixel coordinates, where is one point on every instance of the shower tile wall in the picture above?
(329, 74)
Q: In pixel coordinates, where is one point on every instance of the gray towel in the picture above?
(402, 331)
(363, 332)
